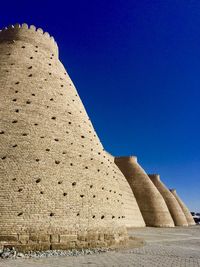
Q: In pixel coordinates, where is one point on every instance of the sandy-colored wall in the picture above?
(57, 183)
(149, 199)
(184, 208)
(174, 208)
(133, 216)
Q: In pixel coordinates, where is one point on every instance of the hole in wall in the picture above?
(51, 214)
(14, 121)
(64, 194)
(20, 214)
(38, 180)
(57, 162)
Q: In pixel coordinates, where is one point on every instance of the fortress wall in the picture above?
(174, 208)
(184, 208)
(150, 201)
(57, 183)
(133, 216)
(36, 36)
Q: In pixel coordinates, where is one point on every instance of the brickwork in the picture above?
(184, 208)
(149, 199)
(59, 187)
(57, 182)
(133, 216)
(174, 208)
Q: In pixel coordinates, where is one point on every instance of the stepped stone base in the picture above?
(39, 241)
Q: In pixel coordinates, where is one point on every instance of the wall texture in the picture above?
(174, 208)
(150, 201)
(184, 208)
(133, 216)
(58, 187)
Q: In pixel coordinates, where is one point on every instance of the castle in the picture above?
(59, 188)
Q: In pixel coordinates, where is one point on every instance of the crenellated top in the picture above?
(29, 34)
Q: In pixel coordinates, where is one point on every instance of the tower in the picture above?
(184, 208)
(57, 186)
(149, 199)
(174, 208)
(132, 213)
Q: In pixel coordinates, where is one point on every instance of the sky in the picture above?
(136, 66)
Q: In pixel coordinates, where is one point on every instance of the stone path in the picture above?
(164, 247)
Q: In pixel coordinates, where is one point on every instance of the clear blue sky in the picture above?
(136, 65)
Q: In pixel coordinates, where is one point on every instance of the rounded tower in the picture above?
(57, 182)
(149, 199)
(184, 208)
(133, 216)
(174, 208)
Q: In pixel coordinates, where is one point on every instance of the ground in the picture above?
(168, 247)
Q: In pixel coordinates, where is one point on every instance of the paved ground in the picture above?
(164, 247)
